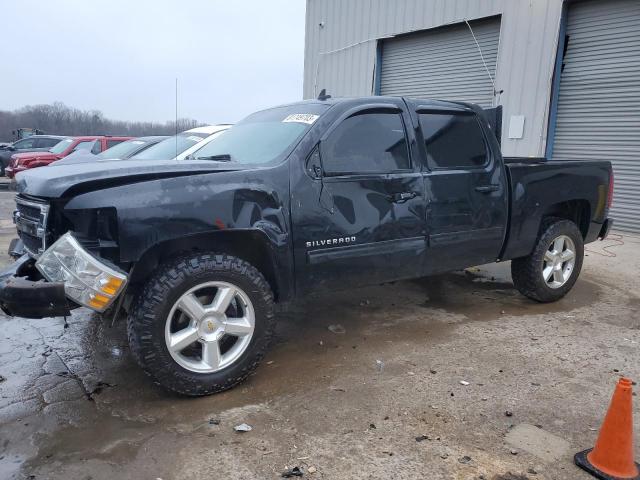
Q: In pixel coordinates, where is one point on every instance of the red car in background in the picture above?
(94, 144)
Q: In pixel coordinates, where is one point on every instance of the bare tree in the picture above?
(59, 119)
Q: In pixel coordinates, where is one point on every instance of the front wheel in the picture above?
(202, 323)
(551, 270)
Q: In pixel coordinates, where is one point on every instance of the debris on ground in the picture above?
(510, 476)
(243, 427)
(214, 421)
(464, 460)
(379, 365)
(372, 426)
(364, 303)
(463, 382)
(312, 469)
(508, 413)
(514, 451)
(433, 371)
(422, 438)
(100, 386)
(292, 472)
(2, 379)
(337, 328)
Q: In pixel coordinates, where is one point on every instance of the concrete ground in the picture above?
(382, 400)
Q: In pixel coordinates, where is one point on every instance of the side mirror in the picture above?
(313, 164)
(11, 148)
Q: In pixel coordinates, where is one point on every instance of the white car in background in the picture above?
(179, 146)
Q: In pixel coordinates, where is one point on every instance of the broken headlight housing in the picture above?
(87, 281)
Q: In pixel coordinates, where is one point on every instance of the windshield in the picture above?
(122, 150)
(170, 148)
(262, 137)
(61, 146)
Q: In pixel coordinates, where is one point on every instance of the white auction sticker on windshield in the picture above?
(307, 118)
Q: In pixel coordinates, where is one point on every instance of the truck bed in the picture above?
(539, 187)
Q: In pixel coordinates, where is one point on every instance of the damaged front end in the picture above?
(24, 293)
(63, 277)
(51, 278)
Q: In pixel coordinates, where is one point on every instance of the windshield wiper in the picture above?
(223, 157)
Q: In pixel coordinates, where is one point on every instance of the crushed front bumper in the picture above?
(23, 292)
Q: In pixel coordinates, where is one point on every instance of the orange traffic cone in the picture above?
(612, 457)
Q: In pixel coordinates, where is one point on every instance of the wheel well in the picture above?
(252, 246)
(578, 211)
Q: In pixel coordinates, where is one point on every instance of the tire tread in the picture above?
(143, 317)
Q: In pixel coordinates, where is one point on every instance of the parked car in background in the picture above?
(35, 143)
(178, 147)
(94, 144)
(122, 151)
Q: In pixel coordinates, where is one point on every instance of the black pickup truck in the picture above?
(317, 195)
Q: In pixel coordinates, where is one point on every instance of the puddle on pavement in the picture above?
(82, 380)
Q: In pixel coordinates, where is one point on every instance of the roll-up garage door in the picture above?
(443, 63)
(599, 99)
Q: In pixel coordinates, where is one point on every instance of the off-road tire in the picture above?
(527, 271)
(146, 322)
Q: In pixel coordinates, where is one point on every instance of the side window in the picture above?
(24, 144)
(453, 140)
(111, 143)
(42, 143)
(47, 142)
(97, 147)
(370, 142)
(84, 146)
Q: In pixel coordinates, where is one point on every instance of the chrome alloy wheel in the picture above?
(559, 261)
(209, 327)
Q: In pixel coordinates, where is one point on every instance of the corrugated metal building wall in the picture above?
(598, 114)
(341, 47)
(424, 48)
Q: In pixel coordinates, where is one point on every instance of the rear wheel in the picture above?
(554, 265)
(202, 323)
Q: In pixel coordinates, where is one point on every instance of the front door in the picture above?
(466, 190)
(368, 223)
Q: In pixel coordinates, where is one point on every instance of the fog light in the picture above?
(87, 281)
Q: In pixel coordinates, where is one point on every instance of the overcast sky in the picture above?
(231, 57)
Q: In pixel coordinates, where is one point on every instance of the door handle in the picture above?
(403, 196)
(487, 188)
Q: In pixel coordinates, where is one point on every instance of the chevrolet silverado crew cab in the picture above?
(312, 196)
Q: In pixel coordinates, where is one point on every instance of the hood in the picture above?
(54, 181)
(22, 158)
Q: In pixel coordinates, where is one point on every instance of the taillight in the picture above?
(610, 193)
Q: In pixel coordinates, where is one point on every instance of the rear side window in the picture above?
(453, 140)
(47, 142)
(97, 147)
(370, 142)
(113, 143)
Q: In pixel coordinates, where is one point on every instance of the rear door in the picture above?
(369, 224)
(466, 189)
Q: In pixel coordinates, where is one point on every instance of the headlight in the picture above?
(86, 280)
